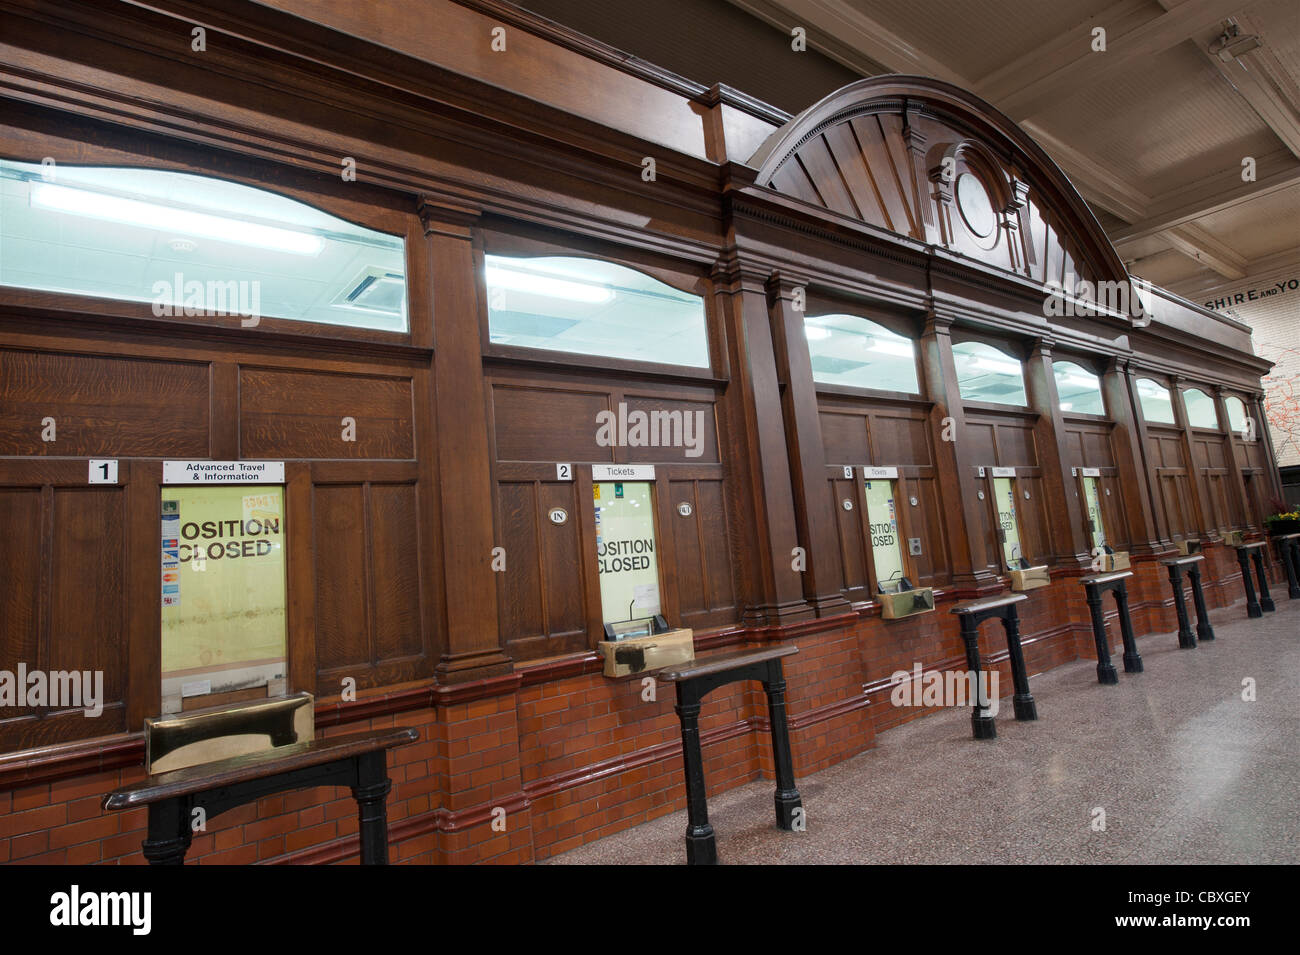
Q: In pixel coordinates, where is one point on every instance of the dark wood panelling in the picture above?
(688, 554)
(64, 565)
(845, 437)
(979, 437)
(850, 535)
(720, 589)
(21, 546)
(395, 563)
(667, 423)
(520, 585)
(369, 624)
(298, 414)
(1016, 446)
(542, 589)
(102, 406)
(544, 424)
(900, 439)
(342, 617)
(560, 562)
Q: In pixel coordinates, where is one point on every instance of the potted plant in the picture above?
(1284, 520)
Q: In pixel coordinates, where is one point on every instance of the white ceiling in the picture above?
(1153, 131)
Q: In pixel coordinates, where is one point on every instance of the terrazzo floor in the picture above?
(1185, 769)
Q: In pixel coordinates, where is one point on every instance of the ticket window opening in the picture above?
(223, 595)
(1096, 523)
(1004, 501)
(886, 545)
(626, 553)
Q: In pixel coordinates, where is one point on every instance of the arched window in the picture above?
(193, 245)
(1200, 409)
(1238, 420)
(1157, 406)
(1078, 389)
(589, 307)
(848, 350)
(986, 374)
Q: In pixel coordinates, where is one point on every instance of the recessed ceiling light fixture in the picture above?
(520, 281)
(151, 215)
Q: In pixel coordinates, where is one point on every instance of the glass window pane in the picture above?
(1200, 409)
(192, 245)
(1156, 403)
(1078, 389)
(1004, 499)
(223, 589)
(886, 552)
(847, 350)
(986, 374)
(1093, 503)
(589, 307)
(625, 550)
(1237, 414)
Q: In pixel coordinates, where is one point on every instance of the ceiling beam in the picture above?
(1285, 263)
(847, 36)
(1042, 83)
(1010, 77)
(1262, 80)
(1099, 185)
(1195, 242)
(1223, 190)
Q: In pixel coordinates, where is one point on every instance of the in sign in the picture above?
(559, 515)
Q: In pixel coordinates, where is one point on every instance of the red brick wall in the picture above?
(547, 764)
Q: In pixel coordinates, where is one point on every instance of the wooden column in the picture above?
(471, 647)
(772, 589)
(814, 518)
(954, 463)
(1255, 408)
(1236, 457)
(1070, 546)
(1129, 444)
(1189, 457)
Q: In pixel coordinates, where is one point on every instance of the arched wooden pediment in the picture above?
(925, 159)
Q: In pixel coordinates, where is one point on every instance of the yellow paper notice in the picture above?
(231, 611)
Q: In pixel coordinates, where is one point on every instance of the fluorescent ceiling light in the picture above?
(150, 215)
(816, 334)
(574, 291)
(1080, 381)
(1001, 367)
(1066, 405)
(901, 349)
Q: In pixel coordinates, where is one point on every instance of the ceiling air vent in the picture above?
(374, 290)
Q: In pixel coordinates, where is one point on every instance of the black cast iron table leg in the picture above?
(1203, 629)
(371, 794)
(1132, 659)
(1105, 669)
(787, 796)
(169, 832)
(1023, 701)
(1252, 605)
(701, 847)
(1265, 601)
(1186, 639)
(1290, 557)
(982, 725)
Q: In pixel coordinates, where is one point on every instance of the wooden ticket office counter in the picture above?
(864, 286)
